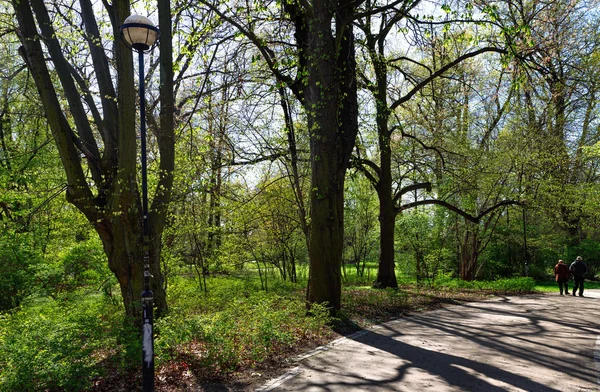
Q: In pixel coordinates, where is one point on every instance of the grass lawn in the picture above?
(550, 285)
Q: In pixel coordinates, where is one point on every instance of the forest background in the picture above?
(341, 155)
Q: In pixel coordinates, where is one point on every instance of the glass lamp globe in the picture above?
(139, 33)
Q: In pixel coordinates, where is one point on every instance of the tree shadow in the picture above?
(507, 336)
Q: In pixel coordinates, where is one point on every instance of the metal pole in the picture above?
(525, 242)
(147, 294)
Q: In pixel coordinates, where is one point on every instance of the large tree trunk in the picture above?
(327, 231)
(381, 177)
(330, 99)
(386, 274)
(122, 243)
(469, 254)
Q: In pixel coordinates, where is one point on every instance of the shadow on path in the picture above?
(535, 343)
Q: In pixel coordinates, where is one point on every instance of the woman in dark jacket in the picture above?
(562, 276)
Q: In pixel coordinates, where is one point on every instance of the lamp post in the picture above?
(140, 34)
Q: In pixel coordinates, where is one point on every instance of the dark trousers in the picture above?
(578, 284)
(564, 283)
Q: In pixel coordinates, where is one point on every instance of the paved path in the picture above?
(530, 343)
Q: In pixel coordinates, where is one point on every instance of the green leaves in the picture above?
(56, 345)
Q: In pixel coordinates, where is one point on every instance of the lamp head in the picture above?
(139, 33)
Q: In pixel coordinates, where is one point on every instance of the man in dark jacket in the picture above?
(578, 269)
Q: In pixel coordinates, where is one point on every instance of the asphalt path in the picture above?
(541, 342)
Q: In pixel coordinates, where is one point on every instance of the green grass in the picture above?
(514, 285)
(551, 285)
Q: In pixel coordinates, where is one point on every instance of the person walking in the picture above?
(578, 269)
(562, 276)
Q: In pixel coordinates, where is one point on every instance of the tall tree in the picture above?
(557, 101)
(91, 116)
(446, 44)
(324, 81)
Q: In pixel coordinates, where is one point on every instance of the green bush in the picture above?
(352, 278)
(523, 284)
(517, 285)
(18, 265)
(56, 345)
(85, 264)
(245, 332)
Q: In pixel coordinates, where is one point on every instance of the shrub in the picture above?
(516, 285)
(246, 332)
(85, 264)
(17, 273)
(55, 345)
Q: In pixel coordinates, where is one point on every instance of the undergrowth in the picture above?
(78, 341)
(75, 341)
(58, 345)
(514, 285)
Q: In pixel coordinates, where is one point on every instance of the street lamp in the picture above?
(140, 34)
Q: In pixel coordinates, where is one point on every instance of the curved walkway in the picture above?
(544, 342)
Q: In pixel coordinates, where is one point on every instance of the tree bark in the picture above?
(469, 254)
(330, 99)
(386, 274)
